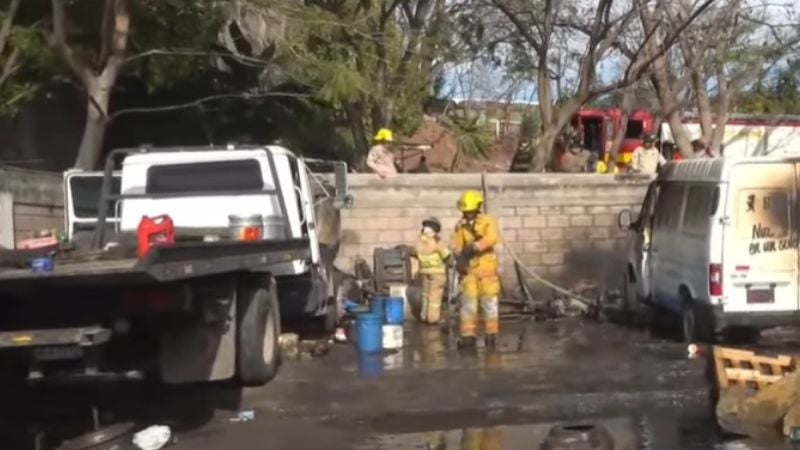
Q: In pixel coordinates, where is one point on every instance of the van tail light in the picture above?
(715, 279)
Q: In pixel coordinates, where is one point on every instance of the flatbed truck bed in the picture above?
(167, 263)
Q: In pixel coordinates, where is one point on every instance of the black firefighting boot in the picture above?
(491, 342)
(467, 343)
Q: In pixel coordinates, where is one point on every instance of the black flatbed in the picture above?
(167, 263)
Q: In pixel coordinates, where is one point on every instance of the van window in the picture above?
(215, 176)
(669, 207)
(699, 209)
(762, 213)
(85, 191)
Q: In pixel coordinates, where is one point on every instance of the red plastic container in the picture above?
(154, 230)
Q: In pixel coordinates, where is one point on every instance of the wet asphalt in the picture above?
(644, 390)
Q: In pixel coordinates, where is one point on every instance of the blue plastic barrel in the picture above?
(376, 306)
(394, 310)
(370, 365)
(369, 332)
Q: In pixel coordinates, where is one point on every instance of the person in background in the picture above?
(646, 159)
(474, 239)
(576, 159)
(380, 159)
(432, 255)
(700, 149)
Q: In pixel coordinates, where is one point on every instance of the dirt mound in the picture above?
(443, 149)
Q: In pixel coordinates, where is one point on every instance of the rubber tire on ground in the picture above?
(259, 324)
(695, 325)
(629, 297)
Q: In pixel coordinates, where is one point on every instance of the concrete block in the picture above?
(599, 233)
(548, 210)
(509, 236)
(411, 236)
(573, 210)
(531, 259)
(605, 220)
(580, 244)
(557, 246)
(534, 247)
(528, 211)
(552, 234)
(598, 209)
(576, 233)
(583, 220)
(393, 237)
(403, 223)
(376, 223)
(353, 223)
(552, 259)
(558, 221)
(534, 222)
(511, 222)
(527, 234)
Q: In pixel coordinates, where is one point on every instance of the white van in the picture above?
(716, 242)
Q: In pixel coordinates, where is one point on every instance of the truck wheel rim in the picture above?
(269, 339)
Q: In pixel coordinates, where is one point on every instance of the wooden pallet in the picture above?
(746, 368)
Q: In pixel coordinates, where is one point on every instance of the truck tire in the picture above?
(258, 347)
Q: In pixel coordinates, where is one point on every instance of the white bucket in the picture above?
(392, 336)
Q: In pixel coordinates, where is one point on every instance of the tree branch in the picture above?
(106, 32)
(58, 40)
(8, 21)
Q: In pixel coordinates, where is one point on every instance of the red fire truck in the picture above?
(596, 128)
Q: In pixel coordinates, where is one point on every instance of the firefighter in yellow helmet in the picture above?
(474, 240)
(380, 159)
(432, 254)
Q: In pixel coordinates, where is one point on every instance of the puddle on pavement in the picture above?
(659, 432)
(521, 344)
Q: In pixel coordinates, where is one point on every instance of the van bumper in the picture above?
(761, 319)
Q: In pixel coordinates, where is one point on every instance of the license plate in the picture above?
(57, 353)
(760, 296)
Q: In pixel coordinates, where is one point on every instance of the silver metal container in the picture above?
(275, 228)
(238, 225)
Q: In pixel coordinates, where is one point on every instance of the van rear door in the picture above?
(760, 262)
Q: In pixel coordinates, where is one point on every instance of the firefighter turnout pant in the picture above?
(433, 285)
(479, 293)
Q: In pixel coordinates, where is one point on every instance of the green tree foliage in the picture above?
(777, 95)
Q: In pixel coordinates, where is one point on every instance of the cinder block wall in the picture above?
(35, 201)
(562, 226)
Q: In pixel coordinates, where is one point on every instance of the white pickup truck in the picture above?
(194, 310)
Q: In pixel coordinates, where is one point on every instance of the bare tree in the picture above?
(97, 77)
(716, 58)
(602, 26)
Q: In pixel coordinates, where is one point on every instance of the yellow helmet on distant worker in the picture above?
(470, 201)
(384, 135)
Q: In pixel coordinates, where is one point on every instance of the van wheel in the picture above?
(258, 347)
(695, 324)
(629, 297)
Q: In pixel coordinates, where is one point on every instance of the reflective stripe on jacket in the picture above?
(431, 253)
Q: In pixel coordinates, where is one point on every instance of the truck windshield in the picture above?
(215, 176)
(85, 192)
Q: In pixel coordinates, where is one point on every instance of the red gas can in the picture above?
(154, 230)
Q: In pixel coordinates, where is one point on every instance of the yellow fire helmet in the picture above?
(470, 201)
(384, 135)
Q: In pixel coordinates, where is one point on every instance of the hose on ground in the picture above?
(525, 268)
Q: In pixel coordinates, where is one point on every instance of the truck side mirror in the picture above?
(625, 219)
(343, 198)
